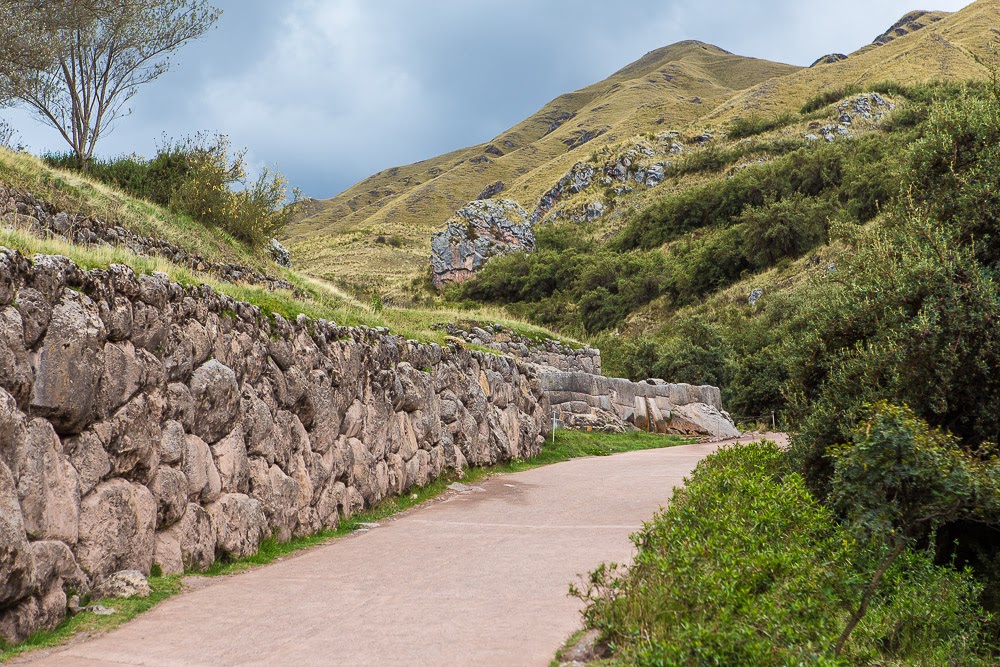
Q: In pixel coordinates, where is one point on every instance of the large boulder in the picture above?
(43, 612)
(89, 456)
(240, 525)
(478, 232)
(170, 488)
(134, 446)
(701, 419)
(230, 455)
(117, 523)
(17, 565)
(69, 365)
(47, 486)
(204, 482)
(188, 545)
(217, 401)
(16, 375)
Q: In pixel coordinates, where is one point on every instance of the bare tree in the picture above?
(94, 56)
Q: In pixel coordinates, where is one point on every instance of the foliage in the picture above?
(910, 318)
(7, 134)
(96, 54)
(201, 177)
(746, 567)
(569, 279)
(898, 481)
(834, 170)
(749, 126)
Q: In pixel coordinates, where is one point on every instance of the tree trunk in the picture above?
(866, 598)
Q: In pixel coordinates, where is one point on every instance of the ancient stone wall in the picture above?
(549, 353)
(143, 421)
(23, 211)
(586, 400)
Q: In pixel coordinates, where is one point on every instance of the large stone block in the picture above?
(17, 563)
(47, 486)
(240, 525)
(217, 401)
(117, 523)
(69, 365)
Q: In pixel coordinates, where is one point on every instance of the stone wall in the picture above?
(586, 400)
(22, 210)
(142, 421)
(550, 353)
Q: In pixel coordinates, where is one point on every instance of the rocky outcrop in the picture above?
(144, 422)
(589, 401)
(910, 23)
(279, 253)
(829, 59)
(858, 111)
(480, 231)
(22, 210)
(579, 178)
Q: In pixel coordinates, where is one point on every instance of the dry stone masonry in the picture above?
(22, 210)
(583, 400)
(145, 422)
(548, 353)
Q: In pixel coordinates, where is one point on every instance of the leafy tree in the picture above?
(899, 480)
(94, 56)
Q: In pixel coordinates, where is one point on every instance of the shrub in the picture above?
(199, 176)
(750, 126)
(828, 97)
(746, 567)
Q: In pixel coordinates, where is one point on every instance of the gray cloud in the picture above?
(334, 90)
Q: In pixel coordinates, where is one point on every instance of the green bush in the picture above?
(746, 567)
(807, 172)
(750, 126)
(200, 177)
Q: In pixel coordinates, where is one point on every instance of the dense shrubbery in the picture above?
(570, 281)
(841, 171)
(750, 126)
(746, 567)
(745, 224)
(199, 177)
(905, 309)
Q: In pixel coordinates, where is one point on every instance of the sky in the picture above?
(332, 91)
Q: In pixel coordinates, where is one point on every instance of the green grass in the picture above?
(88, 624)
(568, 445)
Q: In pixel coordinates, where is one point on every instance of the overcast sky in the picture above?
(334, 90)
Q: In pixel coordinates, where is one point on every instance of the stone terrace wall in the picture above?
(654, 405)
(142, 421)
(546, 352)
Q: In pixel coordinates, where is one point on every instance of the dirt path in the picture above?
(479, 578)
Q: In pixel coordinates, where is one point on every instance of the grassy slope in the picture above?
(670, 87)
(73, 193)
(953, 49)
(337, 240)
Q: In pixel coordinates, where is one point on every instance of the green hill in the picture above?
(376, 235)
(670, 87)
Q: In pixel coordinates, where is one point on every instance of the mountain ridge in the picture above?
(689, 84)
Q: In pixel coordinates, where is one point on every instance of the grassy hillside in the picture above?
(376, 234)
(71, 192)
(954, 48)
(670, 87)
